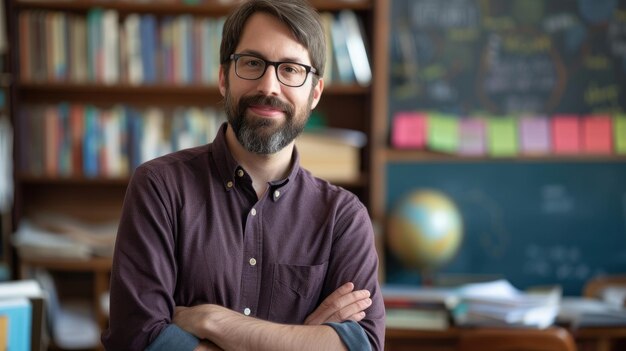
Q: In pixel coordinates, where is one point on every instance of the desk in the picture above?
(587, 339)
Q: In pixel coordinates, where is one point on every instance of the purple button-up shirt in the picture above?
(193, 231)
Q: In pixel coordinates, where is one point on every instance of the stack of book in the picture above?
(22, 316)
(418, 307)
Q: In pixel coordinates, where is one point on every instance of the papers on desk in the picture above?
(499, 304)
(579, 312)
(490, 304)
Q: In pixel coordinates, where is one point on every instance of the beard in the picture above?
(262, 135)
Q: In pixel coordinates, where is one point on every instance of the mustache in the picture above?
(264, 100)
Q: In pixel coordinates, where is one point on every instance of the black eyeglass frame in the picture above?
(308, 69)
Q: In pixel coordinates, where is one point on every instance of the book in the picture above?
(418, 307)
(355, 42)
(331, 153)
(412, 318)
(18, 311)
(30, 289)
(345, 71)
(327, 22)
(409, 130)
(4, 330)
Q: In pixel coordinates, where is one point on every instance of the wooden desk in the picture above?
(587, 339)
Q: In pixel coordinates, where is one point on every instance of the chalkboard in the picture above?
(508, 57)
(533, 223)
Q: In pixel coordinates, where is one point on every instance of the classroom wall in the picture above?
(534, 222)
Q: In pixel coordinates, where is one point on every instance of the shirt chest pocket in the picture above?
(295, 291)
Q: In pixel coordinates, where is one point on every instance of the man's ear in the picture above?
(317, 92)
(221, 81)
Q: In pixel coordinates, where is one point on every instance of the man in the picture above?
(233, 246)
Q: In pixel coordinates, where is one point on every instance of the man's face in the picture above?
(265, 114)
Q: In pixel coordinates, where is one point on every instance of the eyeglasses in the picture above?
(252, 67)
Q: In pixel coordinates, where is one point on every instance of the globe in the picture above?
(425, 230)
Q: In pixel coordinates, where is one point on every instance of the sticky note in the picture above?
(409, 130)
(502, 136)
(597, 137)
(472, 136)
(534, 135)
(619, 132)
(565, 134)
(443, 132)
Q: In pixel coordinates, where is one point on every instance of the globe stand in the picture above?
(427, 276)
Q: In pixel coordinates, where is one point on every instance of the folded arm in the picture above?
(229, 330)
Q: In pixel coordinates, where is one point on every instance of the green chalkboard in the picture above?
(534, 223)
(503, 57)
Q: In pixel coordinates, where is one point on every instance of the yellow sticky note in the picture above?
(502, 136)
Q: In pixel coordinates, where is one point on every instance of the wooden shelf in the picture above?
(162, 93)
(397, 155)
(212, 8)
(95, 264)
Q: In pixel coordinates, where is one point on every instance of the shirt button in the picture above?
(229, 184)
(246, 311)
(252, 261)
(276, 194)
(240, 173)
(253, 212)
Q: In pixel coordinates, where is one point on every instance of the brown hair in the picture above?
(298, 15)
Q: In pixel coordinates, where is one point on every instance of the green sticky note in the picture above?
(620, 134)
(502, 136)
(443, 132)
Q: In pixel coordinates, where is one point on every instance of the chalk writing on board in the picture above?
(556, 199)
(494, 238)
(520, 72)
(558, 262)
(617, 36)
(445, 14)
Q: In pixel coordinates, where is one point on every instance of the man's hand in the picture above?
(342, 305)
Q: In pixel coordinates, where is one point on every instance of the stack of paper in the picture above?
(499, 304)
(587, 312)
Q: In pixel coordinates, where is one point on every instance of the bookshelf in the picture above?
(97, 197)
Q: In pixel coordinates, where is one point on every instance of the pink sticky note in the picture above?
(409, 130)
(472, 136)
(534, 135)
(597, 134)
(566, 134)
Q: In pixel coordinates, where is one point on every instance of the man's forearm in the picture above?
(233, 331)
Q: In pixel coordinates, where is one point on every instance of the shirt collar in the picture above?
(229, 169)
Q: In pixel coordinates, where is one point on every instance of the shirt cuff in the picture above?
(173, 338)
(352, 335)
